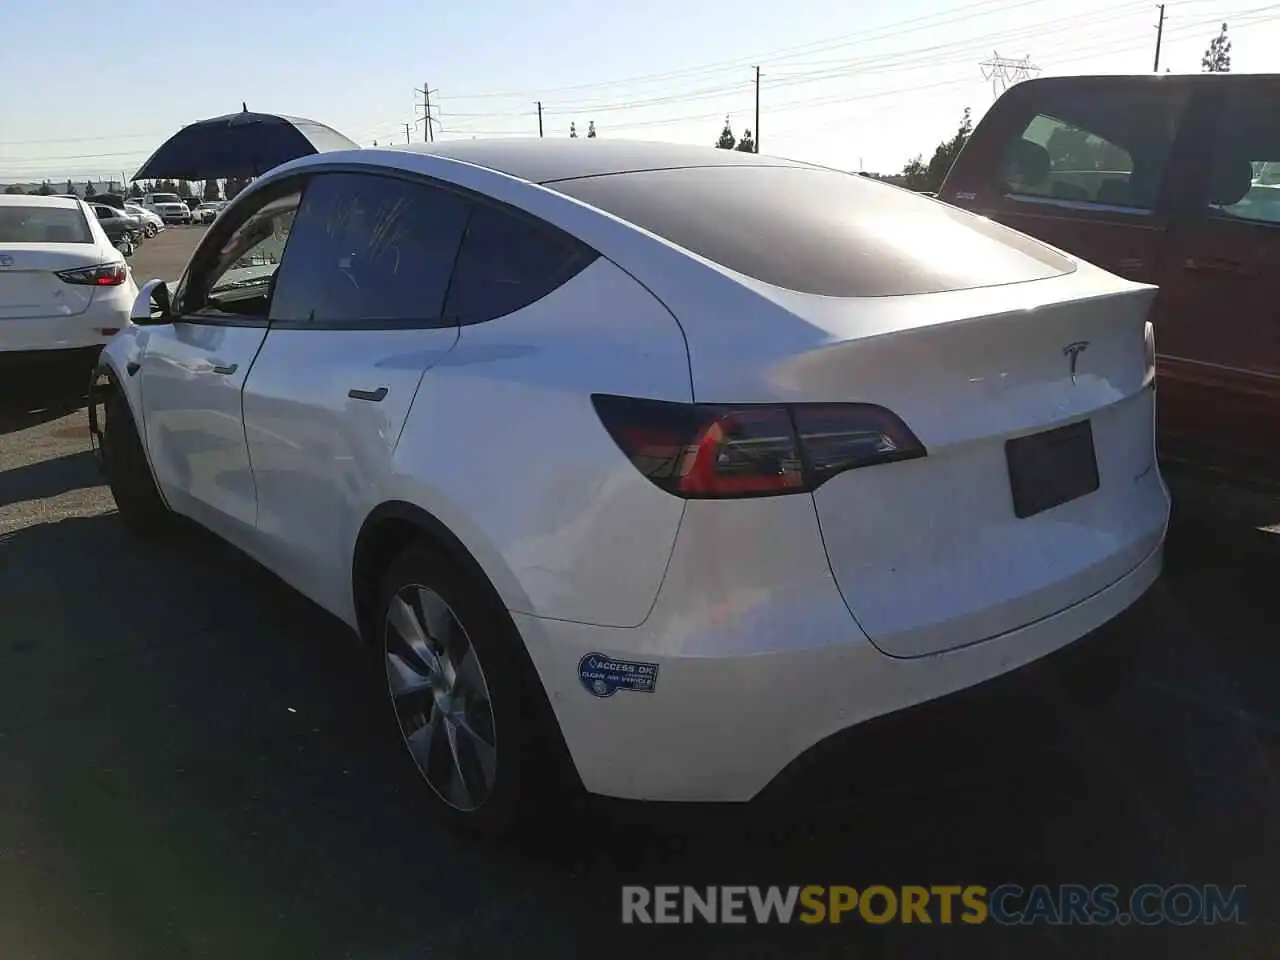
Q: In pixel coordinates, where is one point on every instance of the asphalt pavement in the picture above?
(197, 762)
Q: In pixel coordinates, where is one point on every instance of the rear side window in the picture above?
(820, 231)
(33, 224)
(507, 262)
(1087, 146)
(369, 250)
(1244, 180)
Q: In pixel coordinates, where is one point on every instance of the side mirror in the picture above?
(152, 308)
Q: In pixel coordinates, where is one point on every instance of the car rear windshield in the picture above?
(820, 231)
(167, 198)
(20, 224)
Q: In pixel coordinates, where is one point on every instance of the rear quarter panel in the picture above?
(504, 447)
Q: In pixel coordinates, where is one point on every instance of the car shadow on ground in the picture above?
(197, 759)
(28, 401)
(49, 478)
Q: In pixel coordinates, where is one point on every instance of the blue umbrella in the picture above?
(240, 144)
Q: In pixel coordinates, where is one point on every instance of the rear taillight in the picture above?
(704, 451)
(103, 275)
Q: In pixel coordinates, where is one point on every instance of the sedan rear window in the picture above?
(820, 231)
(21, 224)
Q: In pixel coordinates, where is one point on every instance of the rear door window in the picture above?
(508, 261)
(1094, 148)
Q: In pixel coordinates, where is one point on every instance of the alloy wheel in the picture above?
(441, 697)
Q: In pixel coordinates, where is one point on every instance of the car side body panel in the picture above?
(562, 523)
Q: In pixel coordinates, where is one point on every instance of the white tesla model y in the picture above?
(679, 460)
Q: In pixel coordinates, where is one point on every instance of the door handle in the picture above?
(373, 396)
(226, 369)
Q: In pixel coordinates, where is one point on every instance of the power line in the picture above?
(921, 58)
(1004, 72)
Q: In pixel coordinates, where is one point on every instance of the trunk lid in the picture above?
(936, 553)
(29, 286)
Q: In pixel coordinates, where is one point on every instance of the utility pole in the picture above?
(406, 133)
(756, 131)
(1159, 36)
(428, 135)
(539, 118)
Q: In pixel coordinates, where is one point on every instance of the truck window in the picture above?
(1084, 147)
(1244, 180)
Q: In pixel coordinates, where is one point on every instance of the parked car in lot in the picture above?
(151, 222)
(168, 206)
(120, 227)
(1171, 181)
(678, 459)
(64, 288)
(207, 212)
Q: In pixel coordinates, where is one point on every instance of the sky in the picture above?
(852, 85)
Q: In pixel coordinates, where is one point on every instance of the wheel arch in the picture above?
(391, 528)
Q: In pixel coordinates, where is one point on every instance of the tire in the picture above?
(477, 673)
(138, 500)
(150, 230)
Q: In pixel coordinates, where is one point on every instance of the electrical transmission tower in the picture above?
(1004, 72)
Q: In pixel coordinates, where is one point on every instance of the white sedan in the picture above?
(65, 289)
(669, 461)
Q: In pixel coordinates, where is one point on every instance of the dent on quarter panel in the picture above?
(527, 477)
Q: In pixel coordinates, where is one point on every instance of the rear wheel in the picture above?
(132, 485)
(460, 697)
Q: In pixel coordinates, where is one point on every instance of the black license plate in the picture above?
(1049, 469)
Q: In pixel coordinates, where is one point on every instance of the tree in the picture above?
(921, 177)
(210, 192)
(1072, 149)
(14, 188)
(727, 140)
(71, 188)
(591, 129)
(1217, 58)
(916, 174)
(747, 144)
(184, 189)
(573, 130)
(135, 191)
(44, 189)
(234, 185)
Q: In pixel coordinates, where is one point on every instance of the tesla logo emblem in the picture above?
(1072, 352)
(6, 260)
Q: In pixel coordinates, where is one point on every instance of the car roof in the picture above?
(545, 160)
(1136, 79)
(35, 200)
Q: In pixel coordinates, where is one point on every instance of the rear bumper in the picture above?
(31, 338)
(721, 728)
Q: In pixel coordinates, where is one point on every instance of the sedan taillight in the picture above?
(103, 275)
(716, 451)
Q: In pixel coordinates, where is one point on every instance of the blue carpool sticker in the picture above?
(604, 676)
